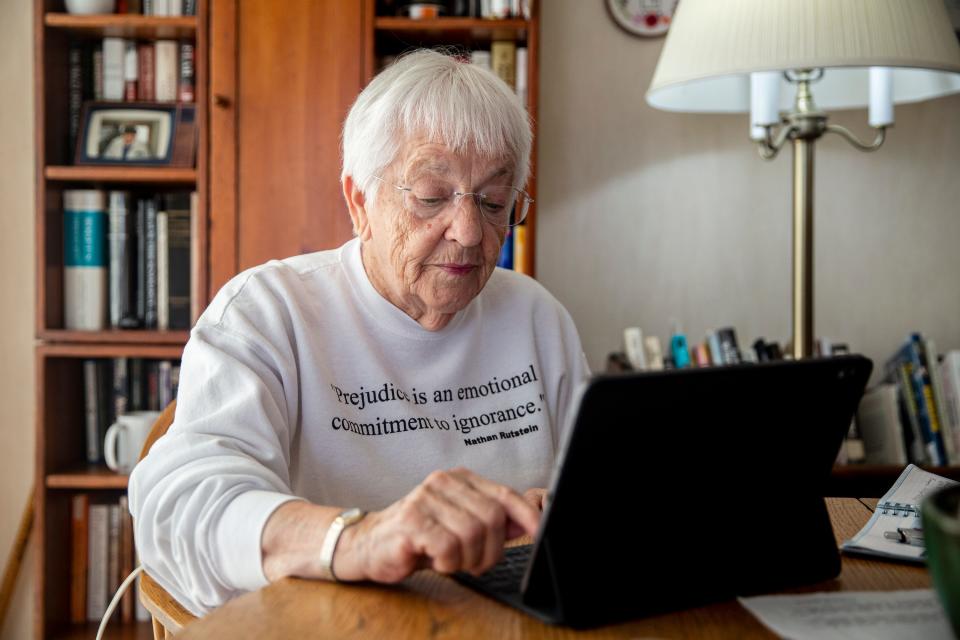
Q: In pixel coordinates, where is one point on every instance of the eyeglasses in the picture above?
(500, 205)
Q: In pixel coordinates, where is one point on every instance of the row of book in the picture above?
(123, 70)
(719, 347)
(157, 7)
(913, 415)
(129, 259)
(102, 555)
(490, 9)
(114, 386)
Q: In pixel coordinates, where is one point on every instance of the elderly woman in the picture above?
(401, 375)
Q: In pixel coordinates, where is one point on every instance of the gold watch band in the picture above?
(329, 546)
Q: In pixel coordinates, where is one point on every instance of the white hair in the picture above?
(429, 93)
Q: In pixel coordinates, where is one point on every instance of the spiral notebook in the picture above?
(898, 509)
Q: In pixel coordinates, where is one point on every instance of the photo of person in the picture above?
(128, 143)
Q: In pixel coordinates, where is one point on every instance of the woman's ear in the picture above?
(357, 204)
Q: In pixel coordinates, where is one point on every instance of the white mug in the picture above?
(87, 7)
(125, 438)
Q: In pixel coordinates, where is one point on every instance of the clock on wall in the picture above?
(643, 17)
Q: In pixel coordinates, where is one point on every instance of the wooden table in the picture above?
(429, 605)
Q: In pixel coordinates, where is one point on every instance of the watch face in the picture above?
(643, 17)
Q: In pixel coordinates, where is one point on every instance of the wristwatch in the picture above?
(340, 523)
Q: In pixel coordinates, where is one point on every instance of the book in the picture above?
(121, 389)
(131, 71)
(84, 259)
(79, 87)
(923, 381)
(521, 249)
(503, 61)
(92, 420)
(899, 508)
(729, 348)
(196, 273)
(164, 383)
(146, 85)
(520, 84)
(126, 557)
(180, 250)
(113, 551)
(947, 428)
(119, 237)
(97, 557)
(716, 353)
(878, 418)
(79, 504)
(114, 50)
(163, 273)
(481, 58)
(189, 7)
(97, 73)
(950, 376)
(149, 282)
(505, 260)
(186, 85)
(907, 367)
(166, 70)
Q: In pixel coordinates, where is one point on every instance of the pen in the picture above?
(912, 537)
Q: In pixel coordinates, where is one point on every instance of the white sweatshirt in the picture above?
(300, 380)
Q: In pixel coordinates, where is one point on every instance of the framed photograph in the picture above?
(138, 134)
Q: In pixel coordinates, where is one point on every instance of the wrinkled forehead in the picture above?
(419, 157)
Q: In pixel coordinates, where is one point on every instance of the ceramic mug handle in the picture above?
(110, 445)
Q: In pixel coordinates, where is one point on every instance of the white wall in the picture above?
(16, 297)
(649, 218)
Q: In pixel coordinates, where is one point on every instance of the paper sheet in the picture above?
(853, 615)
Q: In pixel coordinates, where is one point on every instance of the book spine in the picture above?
(121, 388)
(163, 271)
(928, 419)
(174, 380)
(918, 451)
(113, 551)
(716, 352)
(938, 402)
(503, 59)
(78, 561)
(522, 70)
(189, 7)
(137, 402)
(134, 7)
(161, 7)
(131, 72)
(147, 7)
(950, 374)
(165, 71)
(196, 275)
(521, 250)
(186, 87)
(118, 237)
(153, 385)
(728, 345)
(505, 260)
(97, 74)
(74, 92)
(150, 265)
(174, 7)
(113, 53)
(97, 558)
(146, 87)
(126, 558)
(481, 58)
(179, 263)
(91, 404)
(164, 384)
(84, 259)
(140, 287)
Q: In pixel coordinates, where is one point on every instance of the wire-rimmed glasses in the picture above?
(502, 206)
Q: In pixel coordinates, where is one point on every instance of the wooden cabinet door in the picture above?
(283, 75)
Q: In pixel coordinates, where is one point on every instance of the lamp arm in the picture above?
(850, 137)
(770, 146)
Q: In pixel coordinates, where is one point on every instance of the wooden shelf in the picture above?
(116, 336)
(87, 477)
(115, 350)
(873, 480)
(140, 175)
(451, 29)
(124, 26)
(114, 631)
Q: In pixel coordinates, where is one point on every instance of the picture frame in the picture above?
(137, 134)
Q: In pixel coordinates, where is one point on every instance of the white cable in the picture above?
(116, 600)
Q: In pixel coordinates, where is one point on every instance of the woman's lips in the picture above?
(457, 269)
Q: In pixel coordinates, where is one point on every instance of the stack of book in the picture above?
(914, 414)
(128, 262)
(112, 387)
(102, 555)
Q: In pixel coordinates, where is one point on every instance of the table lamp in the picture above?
(771, 58)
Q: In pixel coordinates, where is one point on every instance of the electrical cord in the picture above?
(122, 589)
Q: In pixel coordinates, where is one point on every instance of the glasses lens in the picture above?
(500, 206)
(427, 199)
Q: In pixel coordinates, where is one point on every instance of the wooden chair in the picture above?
(168, 615)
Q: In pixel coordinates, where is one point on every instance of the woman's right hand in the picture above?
(453, 521)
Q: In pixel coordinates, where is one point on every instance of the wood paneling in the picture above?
(299, 68)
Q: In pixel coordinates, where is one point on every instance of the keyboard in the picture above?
(505, 576)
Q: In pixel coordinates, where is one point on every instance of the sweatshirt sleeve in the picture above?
(202, 496)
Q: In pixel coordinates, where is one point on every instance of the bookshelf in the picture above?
(390, 35)
(62, 471)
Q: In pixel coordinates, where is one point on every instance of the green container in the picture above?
(940, 513)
